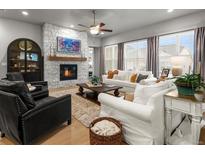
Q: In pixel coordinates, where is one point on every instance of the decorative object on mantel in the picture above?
(52, 50)
(189, 84)
(65, 58)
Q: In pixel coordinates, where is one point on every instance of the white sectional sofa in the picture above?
(142, 119)
(123, 79)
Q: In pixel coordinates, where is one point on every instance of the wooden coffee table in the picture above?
(96, 90)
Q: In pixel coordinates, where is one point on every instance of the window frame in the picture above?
(124, 49)
(113, 59)
(178, 44)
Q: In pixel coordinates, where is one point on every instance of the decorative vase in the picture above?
(199, 96)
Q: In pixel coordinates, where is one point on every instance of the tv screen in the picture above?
(68, 45)
(32, 56)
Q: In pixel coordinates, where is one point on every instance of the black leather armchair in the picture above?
(41, 90)
(26, 125)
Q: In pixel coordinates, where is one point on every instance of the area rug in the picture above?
(82, 109)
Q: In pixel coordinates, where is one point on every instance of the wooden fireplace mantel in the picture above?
(61, 58)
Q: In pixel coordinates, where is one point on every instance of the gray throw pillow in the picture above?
(141, 77)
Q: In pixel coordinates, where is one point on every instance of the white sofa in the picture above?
(142, 119)
(123, 79)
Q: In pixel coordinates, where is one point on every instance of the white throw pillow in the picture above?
(124, 75)
(144, 92)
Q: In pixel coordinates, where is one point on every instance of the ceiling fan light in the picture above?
(94, 30)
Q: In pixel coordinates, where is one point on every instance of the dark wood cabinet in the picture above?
(24, 55)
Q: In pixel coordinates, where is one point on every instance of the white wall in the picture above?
(11, 30)
(174, 25)
(94, 41)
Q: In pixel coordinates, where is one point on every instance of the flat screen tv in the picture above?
(68, 45)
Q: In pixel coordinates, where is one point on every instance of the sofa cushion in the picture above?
(144, 92)
(121, 83)
(15, 76)
(141, 77)
(124, 75)
(19, 88)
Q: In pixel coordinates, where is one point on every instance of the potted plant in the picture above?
(189, 84)
(95, 80)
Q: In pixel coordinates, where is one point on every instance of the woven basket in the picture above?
(115, 139)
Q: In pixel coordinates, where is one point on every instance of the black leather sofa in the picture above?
(24, 119)
(41, 90)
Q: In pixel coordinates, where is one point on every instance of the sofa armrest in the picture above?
(43, 83)
(104, 77)
(44, 117)
(148, 81)
(139, 111)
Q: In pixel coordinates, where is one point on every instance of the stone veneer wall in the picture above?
(52, 68)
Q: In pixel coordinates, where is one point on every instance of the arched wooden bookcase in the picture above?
(24, 55)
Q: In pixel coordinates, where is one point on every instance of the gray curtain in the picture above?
(120, 60)
(102, 62)
(96, 61)
(199, 51)
(153, 55)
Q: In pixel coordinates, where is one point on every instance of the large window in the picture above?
(177, 49)
(135, 55)
(111, 54)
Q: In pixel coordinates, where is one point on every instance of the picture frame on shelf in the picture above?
(165, 72)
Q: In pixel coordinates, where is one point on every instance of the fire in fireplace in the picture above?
(68, 72)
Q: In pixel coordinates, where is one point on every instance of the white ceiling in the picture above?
(119, 20)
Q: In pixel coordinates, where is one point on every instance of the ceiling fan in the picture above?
(95, 29)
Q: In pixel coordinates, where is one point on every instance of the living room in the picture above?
(87, 77)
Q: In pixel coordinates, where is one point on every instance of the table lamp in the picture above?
(180, 62)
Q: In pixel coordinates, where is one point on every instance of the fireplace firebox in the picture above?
(68, 72)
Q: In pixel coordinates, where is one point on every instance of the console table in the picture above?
(187, 105)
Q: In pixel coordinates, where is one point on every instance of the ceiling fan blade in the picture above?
(83, 26)
(106, 30)
(82, 30)
(101, 24)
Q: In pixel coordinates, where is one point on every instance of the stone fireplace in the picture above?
(68, 72)
(52, 72)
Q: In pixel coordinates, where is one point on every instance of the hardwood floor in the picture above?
(74, 134)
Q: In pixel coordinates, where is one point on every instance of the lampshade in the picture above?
(181, 60)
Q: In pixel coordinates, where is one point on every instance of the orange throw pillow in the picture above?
(115, 72)
(133, 78)
(110, 75)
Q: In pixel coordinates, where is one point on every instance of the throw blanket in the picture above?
(105, 128)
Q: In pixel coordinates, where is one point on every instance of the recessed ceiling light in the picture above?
(170, 10)
(102, 33)
(25, 13)
(72, 26)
